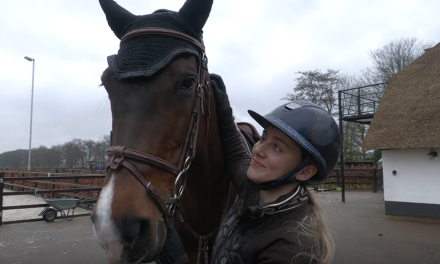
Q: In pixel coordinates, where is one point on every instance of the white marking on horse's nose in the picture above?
(94, 231)
(104, 209)
(106, 230)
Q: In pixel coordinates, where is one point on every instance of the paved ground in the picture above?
(362, 234)
(57, 242)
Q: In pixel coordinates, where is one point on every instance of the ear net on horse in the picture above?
(143, 56)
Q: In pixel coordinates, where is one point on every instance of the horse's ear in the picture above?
(196, 13)
(117, 17)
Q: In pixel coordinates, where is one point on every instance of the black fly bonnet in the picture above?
(145, 55)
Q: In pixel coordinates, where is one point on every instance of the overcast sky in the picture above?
(256, 45)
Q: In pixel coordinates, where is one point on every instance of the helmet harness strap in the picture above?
(287, 178)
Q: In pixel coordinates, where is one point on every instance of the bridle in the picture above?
(122, 157)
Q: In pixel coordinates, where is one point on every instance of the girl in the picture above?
(275, 219)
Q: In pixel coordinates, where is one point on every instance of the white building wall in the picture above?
(417, 179)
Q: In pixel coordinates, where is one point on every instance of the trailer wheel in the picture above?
(50, 215)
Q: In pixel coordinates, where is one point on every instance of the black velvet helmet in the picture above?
(314, 129)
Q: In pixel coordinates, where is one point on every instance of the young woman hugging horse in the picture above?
(275, 219)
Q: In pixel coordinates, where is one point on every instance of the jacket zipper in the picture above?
(224, 240)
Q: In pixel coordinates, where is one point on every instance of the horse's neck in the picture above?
(206, 188)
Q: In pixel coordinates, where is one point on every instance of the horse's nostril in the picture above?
(134, 230)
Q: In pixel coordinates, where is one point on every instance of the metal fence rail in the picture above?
(46, 179)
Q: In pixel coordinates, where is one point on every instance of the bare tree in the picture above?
(14, 159)
(393, 57)
(100, 150)
(317, 87)
(73, 154)
(106, 140)
(90, 147)
(39, 155)
(55, 156)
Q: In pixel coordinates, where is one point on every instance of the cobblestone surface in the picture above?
(361, 231)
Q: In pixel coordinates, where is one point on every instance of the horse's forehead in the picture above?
(144, 56)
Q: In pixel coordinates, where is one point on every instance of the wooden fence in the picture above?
(366, 178)
(53, 185)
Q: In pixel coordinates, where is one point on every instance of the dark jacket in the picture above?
(251, 233)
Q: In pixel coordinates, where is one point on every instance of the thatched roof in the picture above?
(408, 115)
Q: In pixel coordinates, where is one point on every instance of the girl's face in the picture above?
(273, 156)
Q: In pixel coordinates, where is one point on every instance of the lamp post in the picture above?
(32, 107)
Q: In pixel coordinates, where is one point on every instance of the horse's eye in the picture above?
(188, 83)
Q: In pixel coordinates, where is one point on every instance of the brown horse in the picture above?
(166, 147)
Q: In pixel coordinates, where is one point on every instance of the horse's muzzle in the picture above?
(131, 240)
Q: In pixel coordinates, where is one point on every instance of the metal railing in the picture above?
(362, 100)
(47, 180)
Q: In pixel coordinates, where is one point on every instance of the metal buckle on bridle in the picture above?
(177, 192)
(186, 166)
(116, 157)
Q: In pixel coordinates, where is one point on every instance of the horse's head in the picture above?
(157, 86)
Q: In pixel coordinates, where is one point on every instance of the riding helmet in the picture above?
(314, 129)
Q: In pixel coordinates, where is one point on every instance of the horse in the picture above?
(166, 160)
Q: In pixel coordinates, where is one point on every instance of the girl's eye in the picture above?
(188, 83)
(276, 148)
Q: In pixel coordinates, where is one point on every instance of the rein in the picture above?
(121, 156)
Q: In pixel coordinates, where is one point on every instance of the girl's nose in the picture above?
(258, 149)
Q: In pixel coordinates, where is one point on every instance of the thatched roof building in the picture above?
(408, 116)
